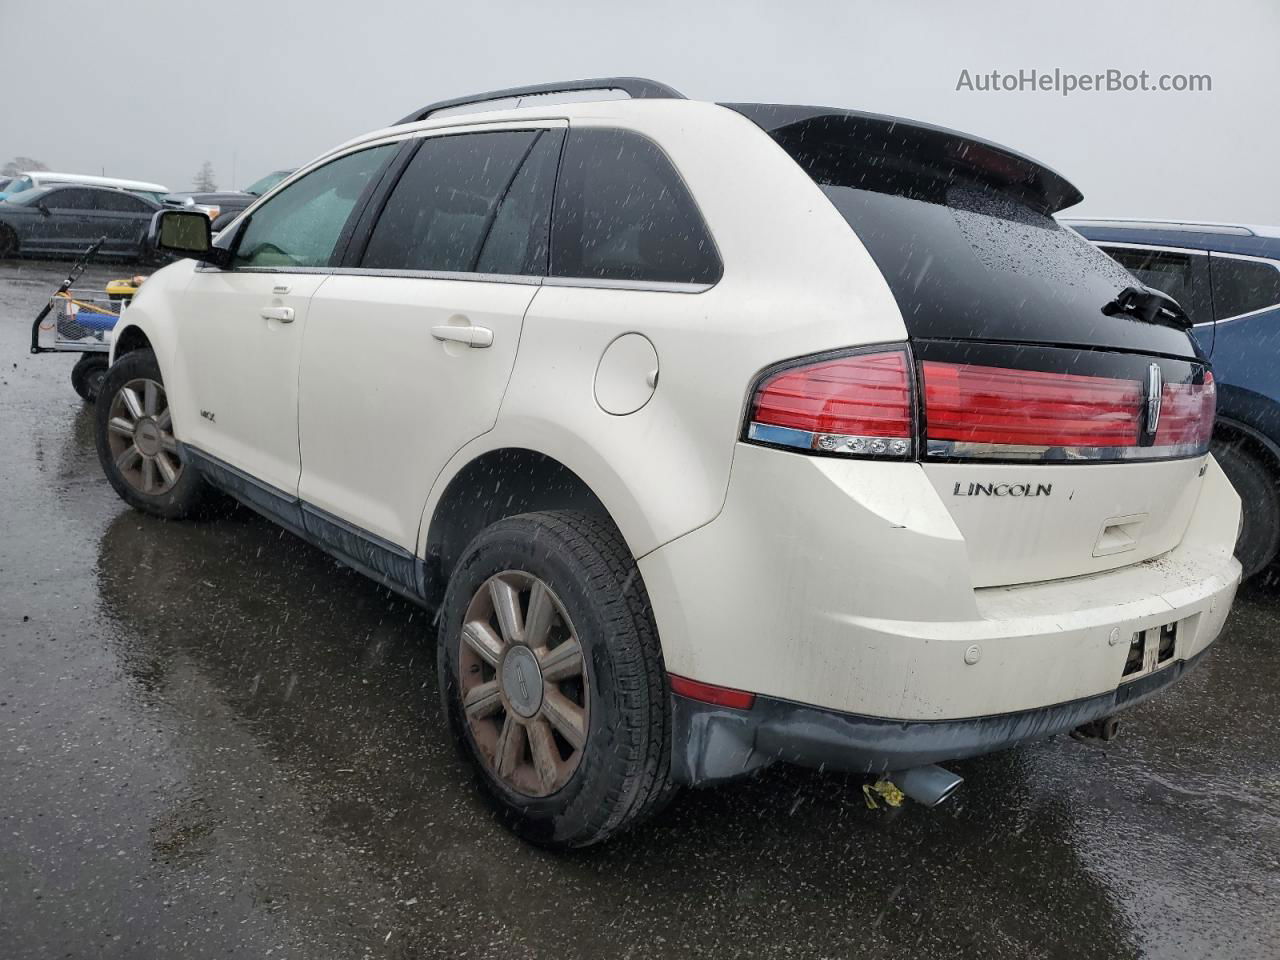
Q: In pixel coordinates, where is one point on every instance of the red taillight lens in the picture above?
(710, 693)
(1186, 414)
(855, 404)
(861, 404)
(968, 404)
(994, 412)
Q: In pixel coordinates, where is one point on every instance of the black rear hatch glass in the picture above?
(963, 233)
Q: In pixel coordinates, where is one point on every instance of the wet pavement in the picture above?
(215, 741)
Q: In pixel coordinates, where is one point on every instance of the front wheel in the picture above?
(552, 678)
(135, 441)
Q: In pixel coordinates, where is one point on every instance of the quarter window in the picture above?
(1183, 276)
(301, 225)
(623, 213)
(1243, 286)
(446, 200)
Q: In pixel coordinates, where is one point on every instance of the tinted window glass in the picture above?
(1242, 286)
(968, 255)
(122, 203)
(301, 225)
(518, 240)
(439, 212)
(71, 198)
(623, 213)
(1183, 276)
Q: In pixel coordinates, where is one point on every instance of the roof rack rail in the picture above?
(638, 88)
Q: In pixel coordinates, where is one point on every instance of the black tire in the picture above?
(189, 493)
(87, 375)
(623, 775)
(8, 242)
(1260, 502)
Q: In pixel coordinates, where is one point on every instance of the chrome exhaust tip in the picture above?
(927, 786)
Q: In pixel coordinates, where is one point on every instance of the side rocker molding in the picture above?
(380, 560)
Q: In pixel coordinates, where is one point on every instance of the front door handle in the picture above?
(283, 314)
(472, 336)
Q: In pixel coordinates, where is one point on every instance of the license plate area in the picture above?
(1151, 649)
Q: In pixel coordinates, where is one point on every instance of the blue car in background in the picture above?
(1227, 279)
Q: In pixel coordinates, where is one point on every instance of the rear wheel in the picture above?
(87, 375)
(136, 446)
(1260, 501)
(552, 678)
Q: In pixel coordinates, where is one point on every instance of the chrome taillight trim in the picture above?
(959, 449)
(897, 447)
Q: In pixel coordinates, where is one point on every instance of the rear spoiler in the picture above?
(954, 155)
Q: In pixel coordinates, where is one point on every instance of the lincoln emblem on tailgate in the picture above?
(1003, 490)
(1154, 390)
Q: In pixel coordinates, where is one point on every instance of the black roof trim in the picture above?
(638, 88)
(974, 155)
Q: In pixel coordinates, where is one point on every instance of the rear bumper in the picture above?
(846, 586)
(712, 744)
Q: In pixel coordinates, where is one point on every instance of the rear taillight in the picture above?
(1186, 415)
(856, 404)
(981, 412)
(861, 404)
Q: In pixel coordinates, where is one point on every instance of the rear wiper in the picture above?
(1149, 306)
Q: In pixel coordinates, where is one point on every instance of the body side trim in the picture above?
(385, 563)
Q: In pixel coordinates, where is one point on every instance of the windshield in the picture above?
(259, 187)
(19, 185)
(26, 197)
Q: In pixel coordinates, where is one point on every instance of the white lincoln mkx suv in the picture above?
(717, 435)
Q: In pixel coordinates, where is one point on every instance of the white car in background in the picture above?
(717, 434)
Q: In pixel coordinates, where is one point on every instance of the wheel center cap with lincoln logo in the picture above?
(146, 437)
(521, 680)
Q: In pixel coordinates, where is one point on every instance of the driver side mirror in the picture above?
(44, 211)
(186, 233)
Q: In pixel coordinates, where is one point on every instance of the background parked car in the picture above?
(32, 179)
(1227, 278)
(62, 220)
(224, 206)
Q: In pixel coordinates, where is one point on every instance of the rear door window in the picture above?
(1183, 275)
(623, 213)
(519, 240)
(71, 198)
(1243, 286)
(440, 211)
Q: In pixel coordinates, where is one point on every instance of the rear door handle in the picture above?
(472, 336)
(283, 314)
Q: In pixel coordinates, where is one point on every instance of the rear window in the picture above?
(623, 213)
(968, 256)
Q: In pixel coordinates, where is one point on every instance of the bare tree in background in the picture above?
(204, 182)
(20, 165)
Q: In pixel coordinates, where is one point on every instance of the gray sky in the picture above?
(150, 90)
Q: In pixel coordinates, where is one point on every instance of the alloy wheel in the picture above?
(523, 682)
(140, 435)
